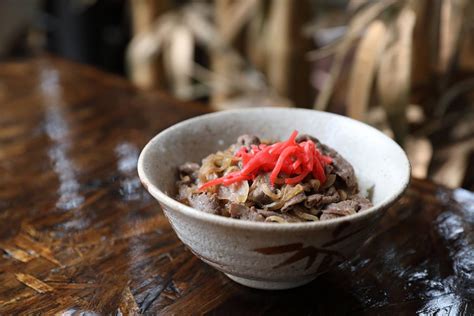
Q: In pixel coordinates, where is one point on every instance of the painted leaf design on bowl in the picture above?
(310, 253)
(300, 253)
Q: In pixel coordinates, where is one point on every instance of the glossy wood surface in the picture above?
(78, 233)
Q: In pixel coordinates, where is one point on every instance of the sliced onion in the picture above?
(315, 211)
(216, 163)
(342, 194)
(236, 192)
(305, 216)
(266, 189)
(290, 191)
(275, 205)
(275, 218)
(315, 184)
(287, 192)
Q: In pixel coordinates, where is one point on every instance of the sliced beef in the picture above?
(328, 199)
(184, 192)
(347, 206)
(363, 202)
(307, 187)
(205, 202)
(311, 186)
(313, 200)
(247, 140)
(185, 180)
(328, 169)
(288, 218)
(253, 216)
(305, 137)
(256, 193)
(299, 198)
(259, 197)
(339, 209)
(243, 212)
(355, 204)
(236, 210)
(318, 199)
(326, 216)
(335, 198)
(340, 166)
(189, 169)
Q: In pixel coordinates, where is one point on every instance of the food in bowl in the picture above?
(296, 180)
(273, 255)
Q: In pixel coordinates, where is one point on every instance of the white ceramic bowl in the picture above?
(272, 255)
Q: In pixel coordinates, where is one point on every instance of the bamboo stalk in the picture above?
(144, 66)
(224, 63)
(354, 5)
(419, 151)
(466, 55)
(179, 61)
(422, 38)
(357, 24)
(451, 172)
(143, 14)
(287, 69)
(451, 25)
(239, 14)
(364, 68)
(394, 74)
(256, 33)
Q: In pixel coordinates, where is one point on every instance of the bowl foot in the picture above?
(268, 285)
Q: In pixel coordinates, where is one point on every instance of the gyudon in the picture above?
(296, 180)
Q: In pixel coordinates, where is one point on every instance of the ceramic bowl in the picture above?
(273, 255)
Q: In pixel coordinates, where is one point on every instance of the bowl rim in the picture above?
(186, 210)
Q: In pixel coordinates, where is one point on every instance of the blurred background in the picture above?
(403, 66)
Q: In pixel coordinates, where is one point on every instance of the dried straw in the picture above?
(364, 67)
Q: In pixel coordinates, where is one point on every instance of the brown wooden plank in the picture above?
(79, 233)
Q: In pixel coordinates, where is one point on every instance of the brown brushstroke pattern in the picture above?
(18, 254)
(309, 252)
(340, 228)
(128, 305)
(300, 253)
(116, 247)
(34, 283)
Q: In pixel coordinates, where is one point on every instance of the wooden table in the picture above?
(79, 233)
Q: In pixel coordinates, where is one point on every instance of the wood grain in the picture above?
(78, 233)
